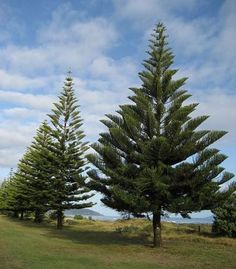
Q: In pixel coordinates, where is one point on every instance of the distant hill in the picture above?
(82, 212)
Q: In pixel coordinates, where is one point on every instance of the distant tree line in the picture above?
(51, 174)
(152, 158)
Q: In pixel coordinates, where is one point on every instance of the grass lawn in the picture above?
(88, 244)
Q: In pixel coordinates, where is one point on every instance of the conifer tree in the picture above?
(4, 192)
(70, 188)
(37, 169)
(3, 195)
(17, 195)
(153, 157)
(30, 187)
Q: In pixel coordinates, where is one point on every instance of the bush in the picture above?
(52, 215)
(225, 218)
(78, 217)
(127, 229)
(70, 222)
(29, 215)
(11, 214)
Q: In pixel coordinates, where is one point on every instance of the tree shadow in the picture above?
(28, 222)
(84, 235)
(87, 236)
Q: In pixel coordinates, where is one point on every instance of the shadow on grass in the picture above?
(96, 237)
(84, 235)
(30, 223)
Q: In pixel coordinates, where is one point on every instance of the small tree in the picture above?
(30, 187)
(225, 218)
(6, 195)
(68, 148)
(17, 195)
(3, 193)
(152, 157)
(37, 169)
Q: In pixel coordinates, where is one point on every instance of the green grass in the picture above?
(100, 245)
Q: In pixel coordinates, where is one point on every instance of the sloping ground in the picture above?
(102, 245)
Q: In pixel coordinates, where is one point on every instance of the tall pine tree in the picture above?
(70, 187)
(153, 157)
(37, 169)
(30, 187)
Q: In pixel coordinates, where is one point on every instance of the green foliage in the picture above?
(153, 156)
(70, 222)
(225, 218)
(78, 217)
(4, 194)
(10, 198)
(127, 229)
(51, 174)
(69, 182)
(52, 215)
(30, 187)
(35, 169)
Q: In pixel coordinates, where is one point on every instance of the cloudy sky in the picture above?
(103, 42)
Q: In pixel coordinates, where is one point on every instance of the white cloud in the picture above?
(9, 158)
(204, 45)
(70, 40)
(25, 59)
(191, 38)
(220, 107)
(23, 113)
(37, 101)
(108, 68)
(138, 10)
(16, 81)
(225, 46)
(15, 135)
(65, 42)
(143, 14)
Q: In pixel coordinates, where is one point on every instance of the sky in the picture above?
(103, 43)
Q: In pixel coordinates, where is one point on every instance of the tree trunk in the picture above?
(156, 226)
(59, 219)
(21, 215)
(38, 216)
(15, 214)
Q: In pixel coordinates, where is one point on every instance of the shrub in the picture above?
(52, 215)
(225, 218)
(70, 222)
(78, 217)
(127, 229)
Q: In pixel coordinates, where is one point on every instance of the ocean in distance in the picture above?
(207, 220)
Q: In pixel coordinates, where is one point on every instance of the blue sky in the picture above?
(104, 43)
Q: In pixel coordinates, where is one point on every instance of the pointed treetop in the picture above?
(69, 75)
